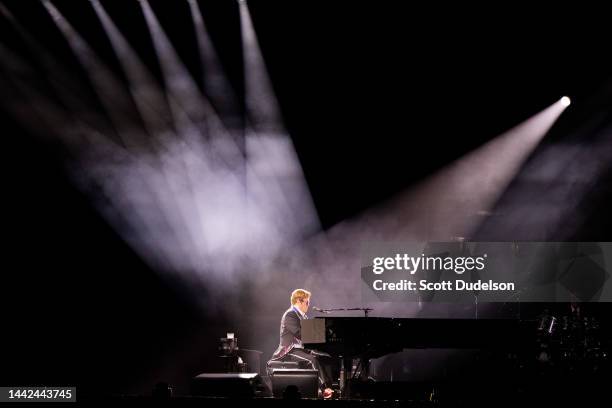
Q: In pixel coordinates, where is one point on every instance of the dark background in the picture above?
(375, 96)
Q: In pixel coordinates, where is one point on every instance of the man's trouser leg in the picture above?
(313, 360)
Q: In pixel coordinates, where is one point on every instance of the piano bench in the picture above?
(283, 364)
(288, 382)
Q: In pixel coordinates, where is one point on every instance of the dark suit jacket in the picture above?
(290, 334)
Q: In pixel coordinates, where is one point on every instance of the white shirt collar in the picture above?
(300, 314)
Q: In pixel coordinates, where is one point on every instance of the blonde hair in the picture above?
(299, 294)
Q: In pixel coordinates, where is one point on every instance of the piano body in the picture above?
(377, 336)
(365, 338)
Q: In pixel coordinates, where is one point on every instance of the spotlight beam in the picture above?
(455, 197)
(263, 199)
(266, 195)
(179, 80)
(121, 110)
(568, 171)
(66, 86)
(447, 205)
(88, 149)
(111, 93)
(157, 116)
(269, 148)
(193, 116)
(146, 93)
(260, 100)
(216, 84)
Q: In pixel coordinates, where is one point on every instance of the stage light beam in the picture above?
(269, 148)
(447, 205)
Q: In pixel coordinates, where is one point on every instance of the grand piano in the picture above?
(364, 338)
(377, 336)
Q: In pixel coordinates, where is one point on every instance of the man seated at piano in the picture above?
(291, 347)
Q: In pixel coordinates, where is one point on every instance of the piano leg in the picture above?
(350, 373)
(365, 368)
(346, 364)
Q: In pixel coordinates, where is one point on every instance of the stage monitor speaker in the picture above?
(306, 381)
(234, 385)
